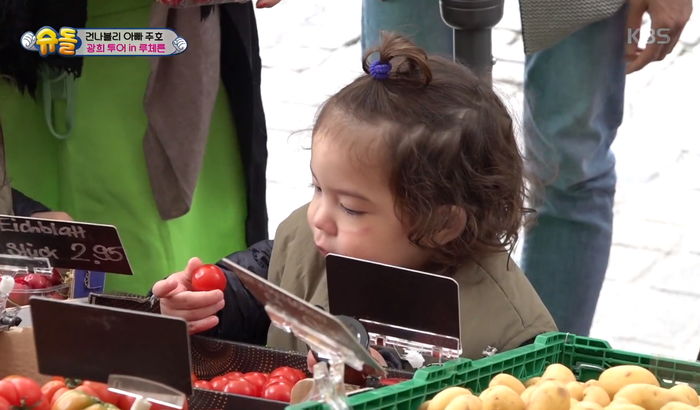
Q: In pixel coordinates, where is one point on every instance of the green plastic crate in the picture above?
(587, 357)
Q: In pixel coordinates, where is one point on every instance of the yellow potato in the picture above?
(505, 379)
(527, 393)
(575, 390)
(532, 381)
(559, 372)
(677, 405)
(443, 398)
(646, 395)
(623, 405)
(592, 382)
(549, 395)
(686, 394)
(586, 405)
(501, 398)
(596, 394)
(424, 406)
(464, 402)
(614, 378)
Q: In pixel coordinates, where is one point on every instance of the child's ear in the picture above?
(455, 225)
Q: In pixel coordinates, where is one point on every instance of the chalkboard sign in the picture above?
(91, 342)
(69, 245)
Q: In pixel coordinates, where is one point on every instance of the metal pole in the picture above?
(472, 21)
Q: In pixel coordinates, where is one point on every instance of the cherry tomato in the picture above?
(277, 391)
(203, 384)
(294, 375)
(208, 277)
(241, 386)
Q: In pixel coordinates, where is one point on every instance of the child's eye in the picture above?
(351, 211)
(315, 187)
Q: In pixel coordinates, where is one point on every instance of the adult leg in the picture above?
(574, 96)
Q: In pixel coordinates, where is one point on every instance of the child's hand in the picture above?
(177, 299)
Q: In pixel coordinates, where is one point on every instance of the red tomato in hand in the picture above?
(277, 391)
(241, 386)
(208, 277)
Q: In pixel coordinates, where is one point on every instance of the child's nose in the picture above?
(323, 218)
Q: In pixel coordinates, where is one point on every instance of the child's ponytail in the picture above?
(399, 60)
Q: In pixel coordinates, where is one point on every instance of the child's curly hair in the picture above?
(448, 141)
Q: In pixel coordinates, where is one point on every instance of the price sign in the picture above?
(69, 245)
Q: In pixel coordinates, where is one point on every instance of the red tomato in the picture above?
(87, 390)
(278, 379)
(55, 278)
(17, 295)
(9, 393)
(203, 384)
(101, 391)
(4, 404)
(277, 391)
(208, 277)
(37, 281)
(57, 394)
(294, 375)
(28, 392)
(256, 378)
(241, 386)
(232, 375)
(388, 381)
(125, 402)
(219, 382)
(51, 387)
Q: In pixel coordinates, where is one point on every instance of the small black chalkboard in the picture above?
(69, 245)
(91, 342)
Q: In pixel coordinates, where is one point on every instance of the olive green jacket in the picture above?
(499, 306)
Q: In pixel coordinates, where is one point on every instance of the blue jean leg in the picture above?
(417, 19)
(574, 94)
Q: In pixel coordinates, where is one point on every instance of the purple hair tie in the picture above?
(379, 70)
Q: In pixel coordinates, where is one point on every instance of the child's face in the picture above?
(352, 211)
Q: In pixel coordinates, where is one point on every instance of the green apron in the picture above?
(98, 174)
